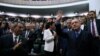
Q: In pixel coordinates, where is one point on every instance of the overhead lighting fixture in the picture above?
(47, 16)
(85, 13)
(23, 15)
(2, 13)
(71, 15)
(11, 14)
(36, 16)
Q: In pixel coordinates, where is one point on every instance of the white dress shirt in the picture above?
(82, 26)
(14, 38)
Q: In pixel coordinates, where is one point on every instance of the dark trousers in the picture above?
(48, 53)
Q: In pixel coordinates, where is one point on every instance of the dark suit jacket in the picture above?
(59, 36)
(31, 39)
(87, 26)
(81, 46)
(6, 45)
(1, 32)
(58, 28)
(98, 25)
(96, 39)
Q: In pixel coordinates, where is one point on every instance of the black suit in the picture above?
(1, 32)
(80, 46)
(98, 25)
(59, 37)
(7, 43)
(30, 39)
(87, 26)
(96, 40)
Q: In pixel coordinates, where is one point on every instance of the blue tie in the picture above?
(75, 35)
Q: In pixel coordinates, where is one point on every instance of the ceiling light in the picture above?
(47, 16)
(23, 15)
(11, 14)
(71, 15)
(36, 16)
(2, 13)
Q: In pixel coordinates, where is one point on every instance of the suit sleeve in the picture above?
(3, 49)
(92, 46)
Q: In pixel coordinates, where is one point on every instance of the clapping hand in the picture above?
(17, 45)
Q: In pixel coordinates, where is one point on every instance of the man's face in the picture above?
(82, 20)
(18, 29)
(91, 15)
(53, 26)
(68, 23)
(28, 26)
(75, 24)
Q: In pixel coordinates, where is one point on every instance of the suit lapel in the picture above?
(97, 24)
(72, 36)
(22, 39)
(11, 39)
(79, 36)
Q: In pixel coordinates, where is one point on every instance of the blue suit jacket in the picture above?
(81, 46)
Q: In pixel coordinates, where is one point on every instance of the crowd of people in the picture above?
(74, 36)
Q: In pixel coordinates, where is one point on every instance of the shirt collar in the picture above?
(79, 31)
(15, 35)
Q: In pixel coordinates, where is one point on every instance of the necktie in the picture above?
(93, 28)
(76, 34)
(15, 40)
(27, 33)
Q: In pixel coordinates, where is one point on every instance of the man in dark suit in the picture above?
(13, 44)
(30, 35)
(1, 29)
(80, 43)
(59, 39)
(63, 40)
(92, 26)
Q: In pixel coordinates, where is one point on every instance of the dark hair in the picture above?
(93, 12)
(48, 24)
(16, 24)
(6, 25)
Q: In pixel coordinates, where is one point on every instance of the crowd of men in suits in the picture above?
(79, 36)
